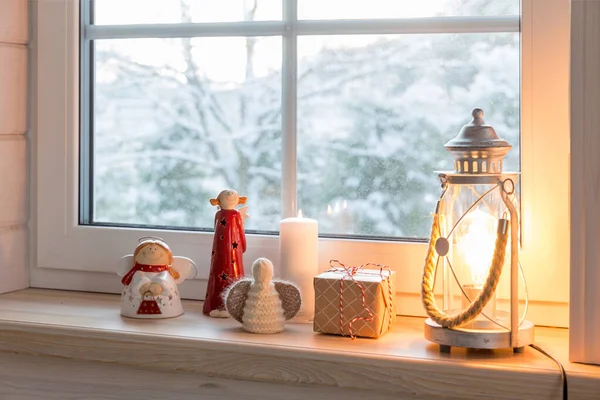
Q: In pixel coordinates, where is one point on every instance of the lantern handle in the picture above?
(512, 186)
(477, 306)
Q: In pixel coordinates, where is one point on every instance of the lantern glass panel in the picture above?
(469, 214)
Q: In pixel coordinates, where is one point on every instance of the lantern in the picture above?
(474, 246)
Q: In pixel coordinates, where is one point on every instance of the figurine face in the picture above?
(153, 254)
(228, 199)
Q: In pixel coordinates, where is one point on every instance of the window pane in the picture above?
(357, 9)
(177, 120)
(118, 12)
(374, 115)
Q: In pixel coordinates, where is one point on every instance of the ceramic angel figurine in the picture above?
(150, 276)
(229, 245)
(261, 303)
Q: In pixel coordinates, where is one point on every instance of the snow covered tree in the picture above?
(372, 122)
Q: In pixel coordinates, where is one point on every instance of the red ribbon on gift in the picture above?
(350, 273)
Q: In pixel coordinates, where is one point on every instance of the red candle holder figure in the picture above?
(229, 245)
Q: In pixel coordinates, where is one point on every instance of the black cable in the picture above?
(562, 369)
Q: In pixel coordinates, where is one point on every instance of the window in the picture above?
(350, 104)
(173, 120)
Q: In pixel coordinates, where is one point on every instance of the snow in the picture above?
(372, 122)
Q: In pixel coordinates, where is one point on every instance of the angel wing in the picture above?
(290, 298)
(244, 213)
(124, 264)
(235, 298)
(187, 268)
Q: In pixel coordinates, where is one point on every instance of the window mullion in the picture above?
(468, 24)
(289, 153)
(181, 30)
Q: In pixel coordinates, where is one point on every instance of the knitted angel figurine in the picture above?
(229, 245)
(260, 303)
(150, 278)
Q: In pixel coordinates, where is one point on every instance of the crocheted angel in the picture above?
(260, 303)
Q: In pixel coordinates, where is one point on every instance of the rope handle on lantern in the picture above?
(475, 308)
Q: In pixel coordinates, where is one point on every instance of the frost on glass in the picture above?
(177, 120)
(374, 114)
(123, 12)
(359, 9)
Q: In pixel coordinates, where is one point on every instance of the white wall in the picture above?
(13, 145)
(584, 323)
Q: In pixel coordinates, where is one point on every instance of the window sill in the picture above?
(88, 327)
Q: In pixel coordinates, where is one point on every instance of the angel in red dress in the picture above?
(229, 245)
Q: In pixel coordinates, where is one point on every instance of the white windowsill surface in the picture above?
(401, 364)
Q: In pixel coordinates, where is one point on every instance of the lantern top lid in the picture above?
(477, 134)
(477, 148)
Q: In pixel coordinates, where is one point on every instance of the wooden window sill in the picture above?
(86, 326)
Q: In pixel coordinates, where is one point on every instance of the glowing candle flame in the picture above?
(299, 213)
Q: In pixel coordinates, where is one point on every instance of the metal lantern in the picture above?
(474, 246)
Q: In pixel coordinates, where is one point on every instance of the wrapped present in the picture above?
(355, 301)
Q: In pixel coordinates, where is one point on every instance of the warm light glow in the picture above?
(336, 208)
(345, 204)
(299, 213)
(329, 210)
(478, 244)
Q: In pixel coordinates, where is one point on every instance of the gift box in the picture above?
(355, 301)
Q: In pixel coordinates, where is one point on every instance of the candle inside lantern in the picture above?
(478, 249)
(298, 243)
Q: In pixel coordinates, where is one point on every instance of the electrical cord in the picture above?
(562, 369)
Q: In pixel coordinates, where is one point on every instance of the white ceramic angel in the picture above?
(150, 276)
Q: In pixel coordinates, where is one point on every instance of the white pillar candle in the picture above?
(298, 244)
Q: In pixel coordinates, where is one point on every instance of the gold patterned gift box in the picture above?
(341, 308)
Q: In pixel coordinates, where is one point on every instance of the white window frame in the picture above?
(66, 255)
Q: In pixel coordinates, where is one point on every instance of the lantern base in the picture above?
(477, 338)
